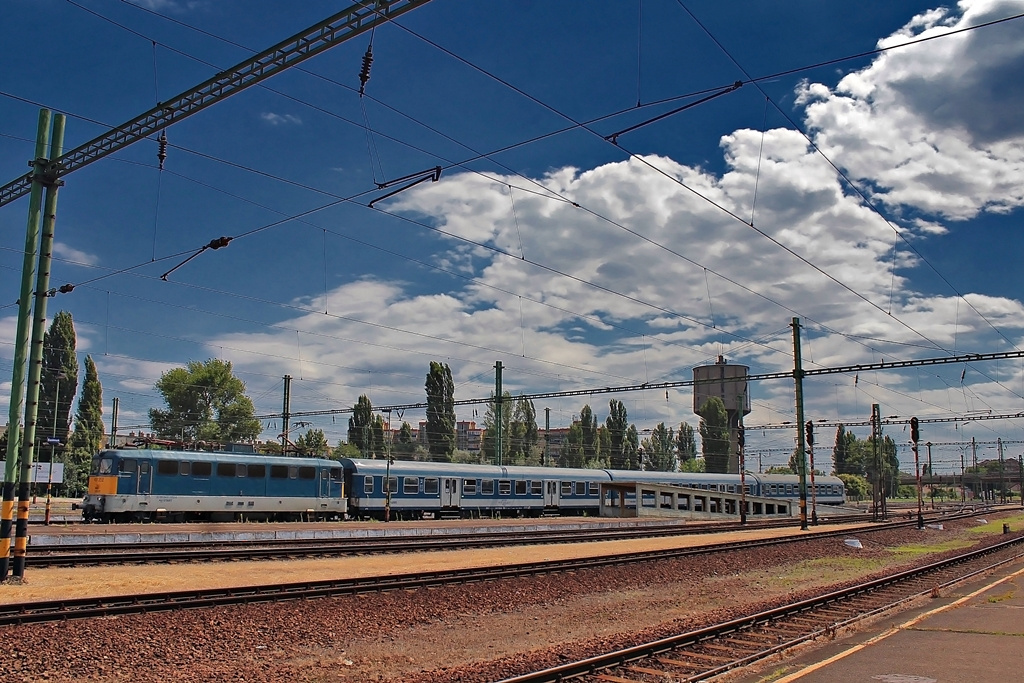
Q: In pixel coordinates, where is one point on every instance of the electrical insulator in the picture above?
(218, 243)
(66, 289)
(915, 434)
(810, 433)
(161, 153)
(364, 72)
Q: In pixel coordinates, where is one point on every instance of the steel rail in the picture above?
(80, 608)
(146, 553)
(637, 653)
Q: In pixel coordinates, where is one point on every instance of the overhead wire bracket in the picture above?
(214, 244)
(614, 137)
(433, 175)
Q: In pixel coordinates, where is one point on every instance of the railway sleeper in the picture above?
(679, 664)
(705, 657)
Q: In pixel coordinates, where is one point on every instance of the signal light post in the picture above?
(810, 456)
(915, 436)
(740, 438)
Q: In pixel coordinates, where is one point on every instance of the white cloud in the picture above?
(76, 256)
(934, 126)
(280, 119)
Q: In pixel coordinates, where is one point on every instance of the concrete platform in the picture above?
(972, 635)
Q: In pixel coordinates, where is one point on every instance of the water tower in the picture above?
(729, 383)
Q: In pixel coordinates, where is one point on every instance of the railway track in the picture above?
(140, 553)
(704, 653)
(80, 608)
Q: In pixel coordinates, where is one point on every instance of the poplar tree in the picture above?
(360, 434)
(59, 371)
(617, 423)
(714, 435)
(440, 411)
(686, 445)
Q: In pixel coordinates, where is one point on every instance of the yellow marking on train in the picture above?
(100, 486)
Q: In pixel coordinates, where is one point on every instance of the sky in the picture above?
(862, 179)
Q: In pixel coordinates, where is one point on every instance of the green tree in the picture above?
(692, 465)
(604, 446)
(847, 453)
(631, 448)
(313, 444)
(60, 370)
(440, 412)
(686, 444)
(524, 432)
(857, 487)
(87, 438)
(488, 445)
(714, 435)
(588, 427)
(360, 434)
(206, 402)
(572, 448)
(406, 444)
(616, 423)
(659, 450)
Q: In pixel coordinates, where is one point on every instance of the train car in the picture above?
(829, 490)
(452, 490)
(144, 485)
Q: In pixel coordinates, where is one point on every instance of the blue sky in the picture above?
(703, 233)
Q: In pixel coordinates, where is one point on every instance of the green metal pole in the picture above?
(36, 358)
(798, 379)
(498, 440)
(28, 273)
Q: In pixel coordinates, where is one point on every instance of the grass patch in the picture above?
(996, 525)
(918, 549)
(828, 569)
(1000, 598)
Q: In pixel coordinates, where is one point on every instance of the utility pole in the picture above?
(877, 489)
(498, 417)
(915, 436)
(974, 455)
(798, 380)
(547, 436)
(35, 366)
(740, 443)
(1002, 481)
(286, 413)
(113, 423)
(963, 488)
(28, 272)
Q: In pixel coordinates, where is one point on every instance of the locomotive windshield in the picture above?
(102, 465)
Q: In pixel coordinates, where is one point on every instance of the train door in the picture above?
(450, 496)
(325, 482)
(550, 493)
(145, 480)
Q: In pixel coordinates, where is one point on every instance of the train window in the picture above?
(278, 471)
(594, 488)
(126, 466)
(430, 485)
(307, 473)
(487, 487)
(104, 466)
(239, 470)
(581, 488)
(335, 474)
(392, 485)
(367, 485)
(731, 488)
(293, 471)
(521, 487)
(537, 488)
(469, 487)
(201, 469)
(566, 488)
(167, 466)
(504, 487)
(184, 467)
(225, 469)
(143, 469)
(789, 489)
(256, 471)
(410, 485)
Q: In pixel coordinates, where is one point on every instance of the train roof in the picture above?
(216, 456)
(655, 475)
(434, 469)
(792, 478)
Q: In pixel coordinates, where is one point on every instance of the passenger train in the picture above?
(149, 485)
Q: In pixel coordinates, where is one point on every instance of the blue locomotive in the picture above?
(172, 485)
(144, 485)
